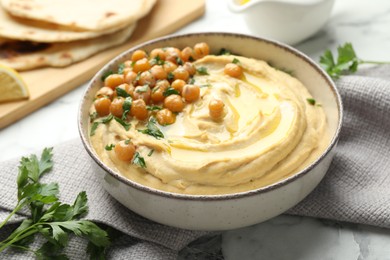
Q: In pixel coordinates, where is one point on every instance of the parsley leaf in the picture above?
(202, 71)
(54, 220)
(109, 147)
(236, 61)
(224, 51)
(153, 108)
(95, 124)
(123, 123)
(311, 101)
(138, 160)
(126, 107)
(151, 152)
(121, 68)
(106, 74)
(170, 76)
(157, 61)
(152, 129)
(347, 61)
(122, 93)
(170, 91)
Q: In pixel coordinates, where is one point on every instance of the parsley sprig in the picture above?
(54, 220)
(347, 61)
(152, 129)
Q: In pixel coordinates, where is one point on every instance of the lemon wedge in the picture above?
(12, 86)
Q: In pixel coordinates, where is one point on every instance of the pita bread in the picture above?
(96, 15)
(30, 30)
(29, 55)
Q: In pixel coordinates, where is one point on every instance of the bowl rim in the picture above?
(232, 196)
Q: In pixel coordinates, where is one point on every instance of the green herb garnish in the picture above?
(121, 68)
(153, 108)
(95, 124)
(179, 61)
(170, 91)
(202, 71)
(122, 93)
(106, 74)
(236, 61)
(138, 160)
(126, 107)
(191, 80)
(170, 76)
(152, 129)
(157, 61)
(151, 152)
(109, 147)
(191, 59)
(223, 51)
(347, 61)
(53, 220)
(205, 85)
(93, 116)
(123, 123)
(311, 101)
(142, 89)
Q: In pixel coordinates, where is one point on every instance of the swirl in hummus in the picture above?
(269, 132)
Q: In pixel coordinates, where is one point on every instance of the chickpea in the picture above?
(128, 88)
(178, 84)
(129, 77)
(158, 72)
(124, 150)
(105, 92)
(187, 54)
(201, 49)
(169, 66)
(190, 93)
(102, 106)
(128, 64)
(216, 108)
(158, 91)
(174, 103)
(172, 54)
(157, 52)
(138, 109)
(181, 73)
(138, 54)
(113, 80)
(142, 92)
(141, 65)
(165, 117)
(116, 107)
(147, 78)
(233, 70)
(188, 66)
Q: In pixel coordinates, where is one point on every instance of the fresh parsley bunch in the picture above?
(51, 219)
(347, 61)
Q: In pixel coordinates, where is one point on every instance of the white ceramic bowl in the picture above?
(288, 21)
(222, 212)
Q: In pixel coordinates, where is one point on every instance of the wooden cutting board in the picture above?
(47, 84)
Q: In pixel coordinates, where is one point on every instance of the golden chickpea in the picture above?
(181, 73)
(158, 91)
(172, 54)
(216, 107)
(138, 54)
(233, 70)
(188, 66)
(147, 78)
(130, 77)
(105, 92)
(116, 107)
(174, 103)
(165, 117)
(169, 66)
(142, 92)
(201, 49)
(178, 84)
(138, 109)
(124, 150)
(187, 54)
(128, 64)
(113, 80)
(158, 72)
(190, 93)
(102, 106)
(141, 65)
(157, 52)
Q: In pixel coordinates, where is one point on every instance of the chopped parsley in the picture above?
(170, 76)
(106, 74)
(138, 160)
(93, 116)
(152, 129)
(95, 124)
(153, 108)
(236, 61)
(142, 89)
(151, 152)
(121, 67)
(202, 71)
(170, 91)
(191, 80)
(127, 141)
(122, 93)
(208, 85)
(311, 101)
(109, 147)
(93, 128)
(224, 51)
(123, 123)
(157, 61)
(126, 107)
(179, 61)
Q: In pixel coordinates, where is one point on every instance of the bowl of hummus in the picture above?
(210, 131)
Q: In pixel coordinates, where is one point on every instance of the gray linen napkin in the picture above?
(355, 189)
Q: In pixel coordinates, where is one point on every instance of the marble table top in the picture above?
(366, 24)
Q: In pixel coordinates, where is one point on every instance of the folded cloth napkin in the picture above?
(355, 189)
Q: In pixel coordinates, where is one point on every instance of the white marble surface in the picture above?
(364, 23)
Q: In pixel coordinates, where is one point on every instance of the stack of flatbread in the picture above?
(39, 33)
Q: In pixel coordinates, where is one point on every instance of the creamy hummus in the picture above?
(269, 132)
